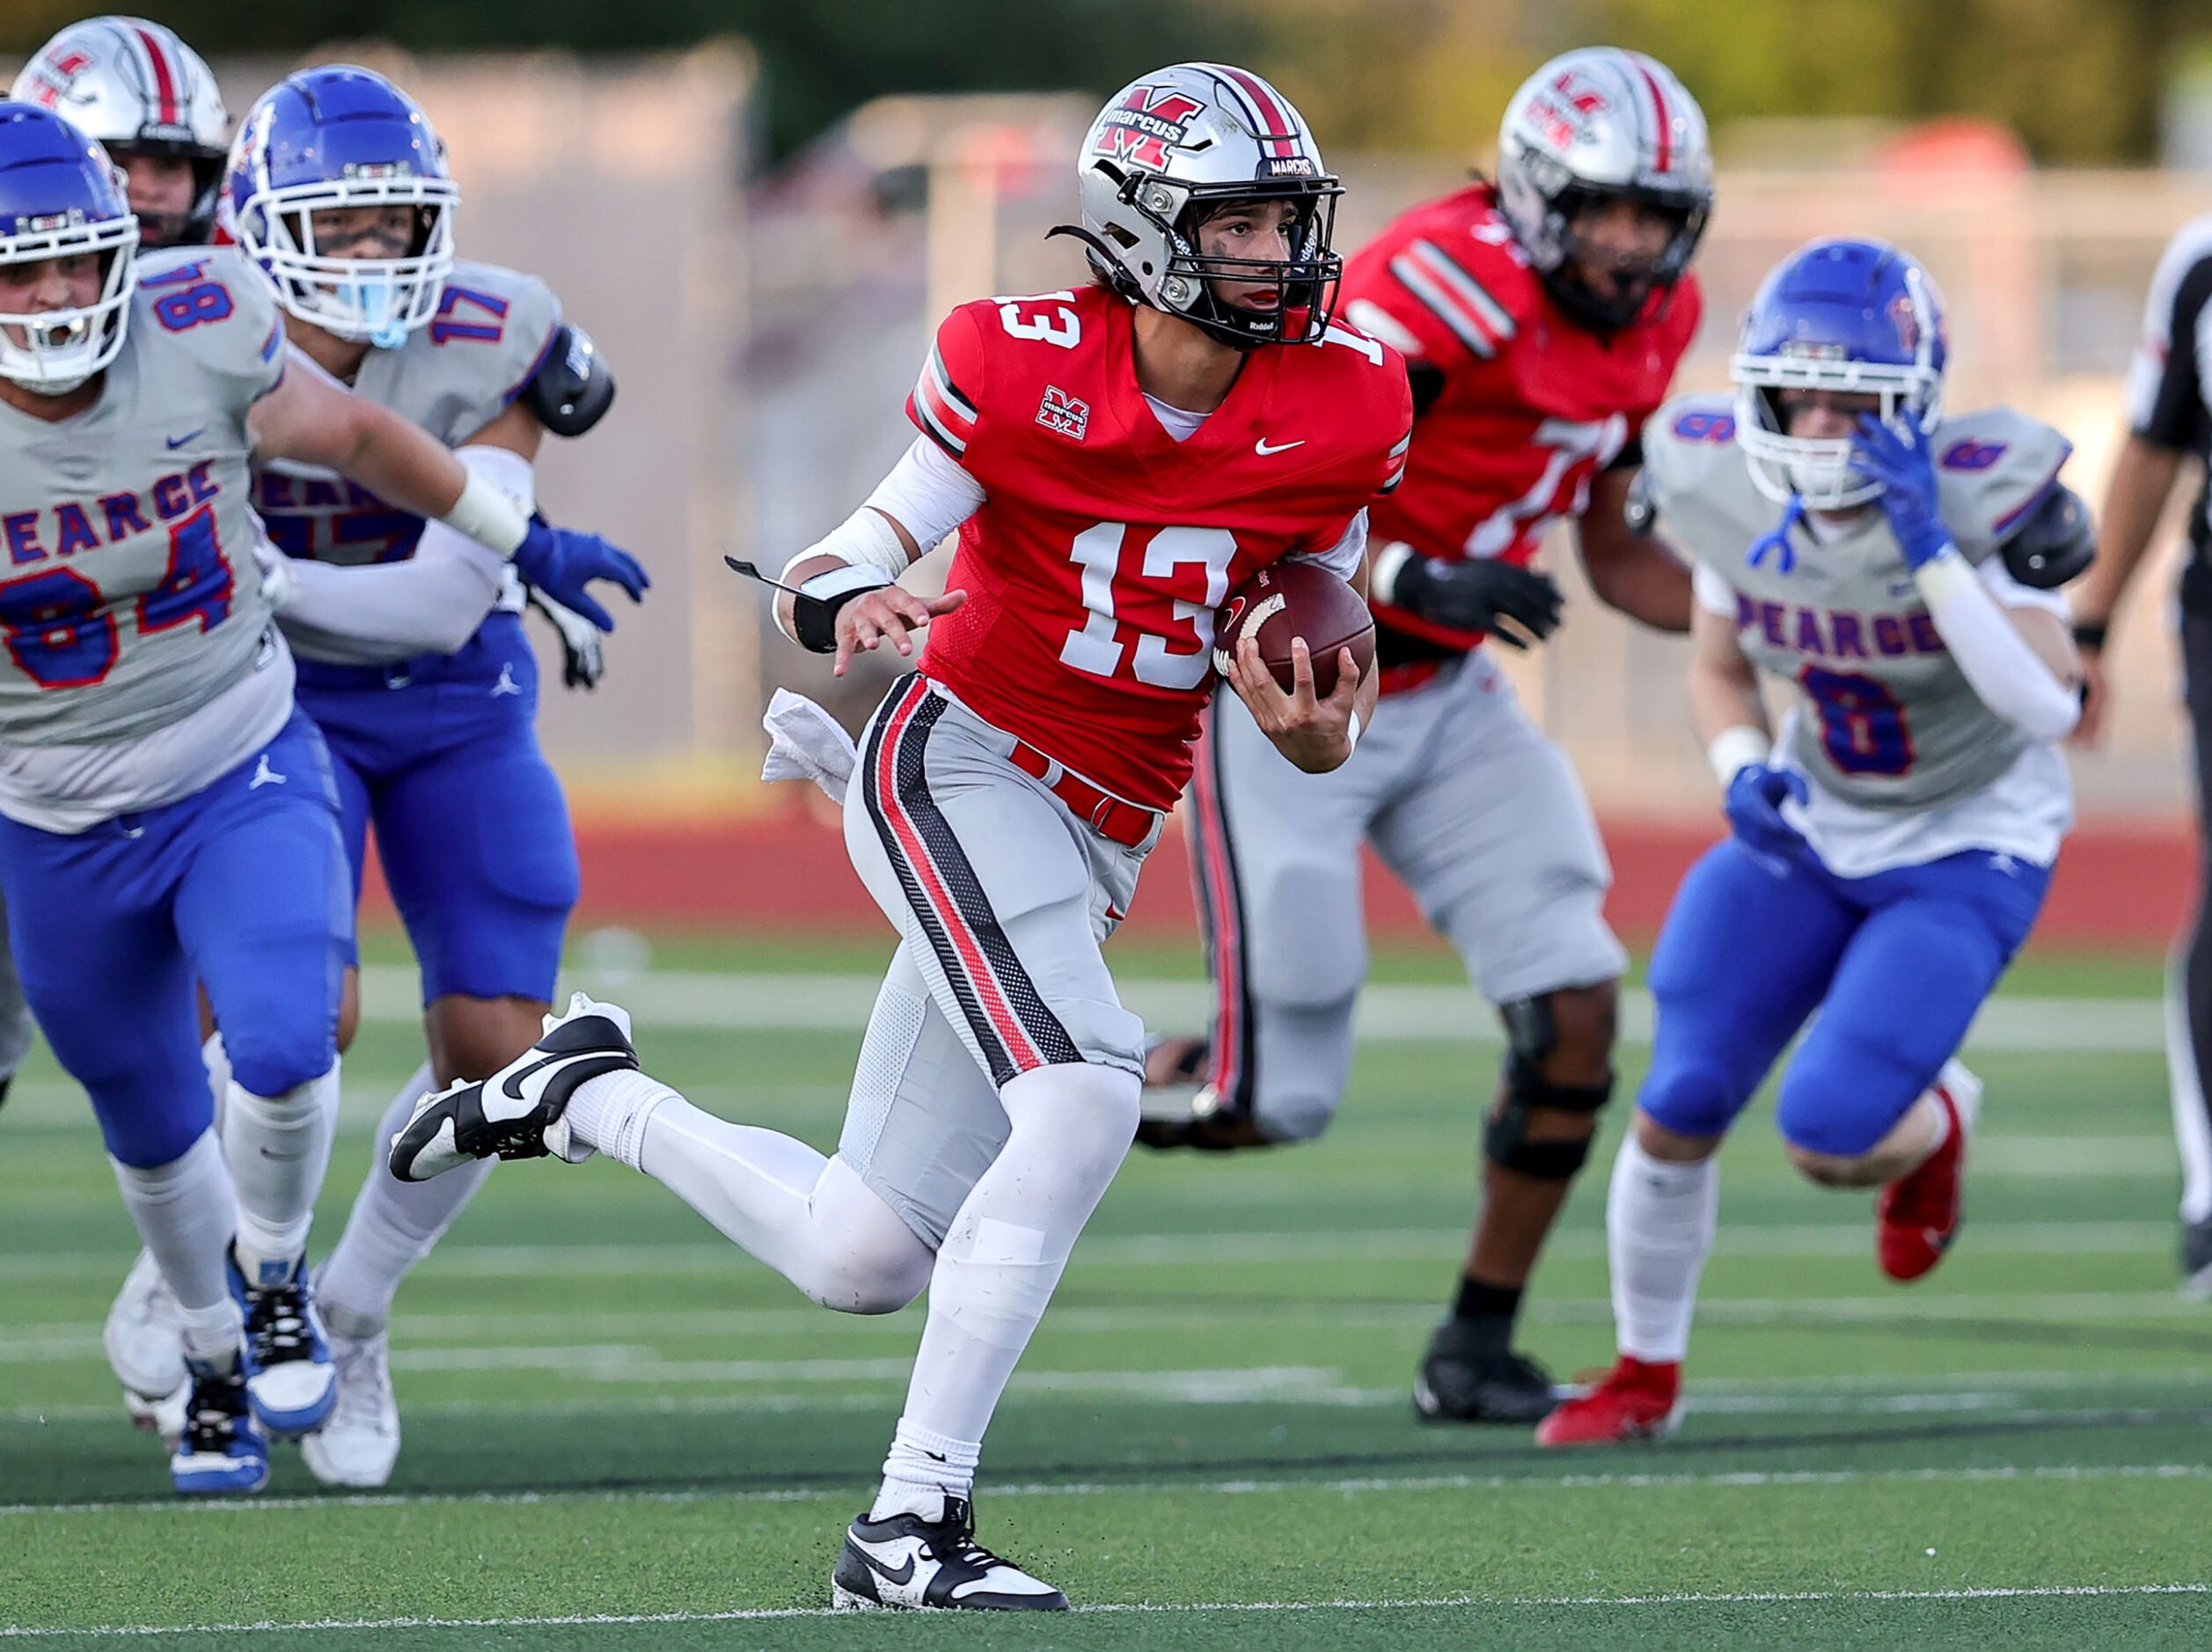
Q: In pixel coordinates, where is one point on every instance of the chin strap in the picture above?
(1785, 554)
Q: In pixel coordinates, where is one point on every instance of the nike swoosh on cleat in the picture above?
(509, 1086)
(899, 1579)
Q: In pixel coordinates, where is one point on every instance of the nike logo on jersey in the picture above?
(898, 1579)
(1264, 447)
(175, 442)
(264, 776)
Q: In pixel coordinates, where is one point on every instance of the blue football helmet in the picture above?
(62, 197)
(331, 139)
(1856, 318)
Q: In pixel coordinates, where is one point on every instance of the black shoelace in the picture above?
(218, 1402)
(276, 1323)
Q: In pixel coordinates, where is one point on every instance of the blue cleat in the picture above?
(290, 1380)
(222, 1450)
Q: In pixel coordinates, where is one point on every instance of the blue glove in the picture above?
(562, 562)
(1753, 807)
(1901, 463)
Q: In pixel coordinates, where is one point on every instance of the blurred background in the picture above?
(760, 210)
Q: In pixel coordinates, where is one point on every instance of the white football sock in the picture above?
(923, 1470)
(393, 1226)
(216, 1060)
(1008, 1244)
(279, 1149)
(810, 1218)
(186, 1210)
(1660, 1217)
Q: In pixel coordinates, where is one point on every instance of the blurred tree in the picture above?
(2080, 80)
(820, 57)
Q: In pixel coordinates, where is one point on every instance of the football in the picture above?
(1297, 599)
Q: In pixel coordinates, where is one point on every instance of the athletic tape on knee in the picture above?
(994, 1280)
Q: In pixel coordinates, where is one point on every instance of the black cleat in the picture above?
(1466, 1378)
(521, 1111)
(2196, 1260)
(906, 1562)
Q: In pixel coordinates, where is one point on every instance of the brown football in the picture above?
(1297, 599)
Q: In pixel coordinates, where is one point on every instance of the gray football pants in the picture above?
(1477, 813)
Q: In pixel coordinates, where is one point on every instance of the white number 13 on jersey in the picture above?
(1098, 647)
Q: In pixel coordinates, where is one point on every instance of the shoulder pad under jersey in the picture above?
(1993, 468)
(209, 304)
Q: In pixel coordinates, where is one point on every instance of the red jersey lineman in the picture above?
(1543, 318)
(1117, 460)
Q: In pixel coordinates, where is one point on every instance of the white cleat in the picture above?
(905, 1562)
(359, 1444)
(161, 1414)
(144, 1339)
(521, 1111)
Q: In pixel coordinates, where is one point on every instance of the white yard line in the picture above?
(1197, 1250)
(708, 1001)
(1747, 1479)
(1442, 1603)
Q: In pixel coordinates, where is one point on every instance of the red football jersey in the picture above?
(1533, 407)
(1105, 546)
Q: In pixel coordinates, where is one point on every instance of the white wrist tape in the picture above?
(1735, 747)
(1351, 732)
(865, 539)
(831, 582)
(488, 514)
(1390, 561)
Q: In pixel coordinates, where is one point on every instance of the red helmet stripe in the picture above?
(1658, 105)
(165, 82)
(1270, 112)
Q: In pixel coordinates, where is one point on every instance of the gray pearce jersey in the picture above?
(128, 589)
(452, 376)
(1889, 720)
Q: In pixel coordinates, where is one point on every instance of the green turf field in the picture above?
(622, 1433)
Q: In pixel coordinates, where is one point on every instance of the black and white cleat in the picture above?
(521, 1111)
(905, 1562)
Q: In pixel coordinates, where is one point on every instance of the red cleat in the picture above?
(1918, 1215)
(1636, 1400)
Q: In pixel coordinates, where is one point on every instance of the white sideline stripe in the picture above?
(1198, 1250)
(1441, 1603)
(707, 1001)
(1929, 1391)
(428, 1339)
(1747, 1478)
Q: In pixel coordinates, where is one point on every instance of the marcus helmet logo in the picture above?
(1566, 108)
(1143, 124)
(1906, 318)
(1067, 414)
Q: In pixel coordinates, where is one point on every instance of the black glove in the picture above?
(1475, 595)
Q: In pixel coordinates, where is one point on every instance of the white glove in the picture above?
(278, 585)
(583, 655)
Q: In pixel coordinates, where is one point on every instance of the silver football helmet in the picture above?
(139, 90)
(1600, 124)
(1169, 150)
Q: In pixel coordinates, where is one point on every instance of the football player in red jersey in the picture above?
(1542, 317)
(1117, 460)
